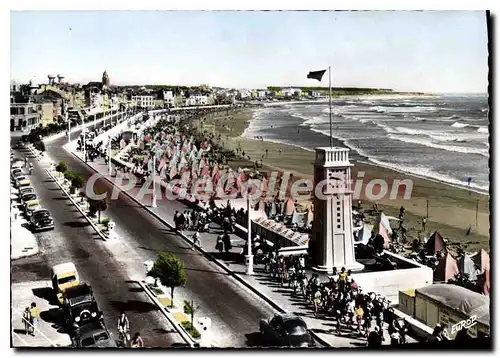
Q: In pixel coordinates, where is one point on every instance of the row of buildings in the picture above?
(56, 100)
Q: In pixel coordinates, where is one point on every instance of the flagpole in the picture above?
(330, 103)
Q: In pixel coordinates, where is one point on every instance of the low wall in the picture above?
(388, 283)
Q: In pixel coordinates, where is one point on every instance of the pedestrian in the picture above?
(219, 246)
(374, 339)
(26, 161)
(424, 222)
(196, 240)
(35, 316)
(227, 242)
(30, 168)
(27, 320)
(137, 341)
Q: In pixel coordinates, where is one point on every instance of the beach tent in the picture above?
(289, 207)
(364, 235)
(297, 218)
(446, 269)
(434, 244)
(482, 260)
(468, 267)
(309, 216)
(273, 210)
(486, 284)
(382, 220)
(383, 229)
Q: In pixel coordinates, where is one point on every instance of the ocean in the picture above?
(444, 138)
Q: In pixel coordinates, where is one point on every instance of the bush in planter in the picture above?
(77, 182)
(105, 222)
(61, 167)
(98, 206)
(170, 270)
(193, 332)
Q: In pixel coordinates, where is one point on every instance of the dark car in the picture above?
(79, 305)
(93, 335)
(41, 220)
(28, 197)
(285, 330)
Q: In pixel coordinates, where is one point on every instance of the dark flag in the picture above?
(316, 75)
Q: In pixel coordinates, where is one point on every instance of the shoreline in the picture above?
(365, 159)
(452, 210)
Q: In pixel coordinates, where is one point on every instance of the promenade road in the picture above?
(234, 310)
(74, 240)
(282, 296)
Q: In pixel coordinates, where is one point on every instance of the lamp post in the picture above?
(69, 127)
(249, 239)
(84, 146)
(153, 203)
(109, 154)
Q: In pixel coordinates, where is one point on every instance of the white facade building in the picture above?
(261, 94)
(290, 92)
(169, 98)
(245, 93)
(114, 105)
(197, 100)
(144, 101)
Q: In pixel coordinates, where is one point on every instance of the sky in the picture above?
(427, 51)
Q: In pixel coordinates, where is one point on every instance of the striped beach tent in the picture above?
(468, 267)
(482, 260)
(447, 269)
(434, 244)
(289, 206)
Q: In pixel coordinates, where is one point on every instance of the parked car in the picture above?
(41, 220)
(27, 197)
(14, 172)
(93, 335)
(17, 163)
(79, 305)
(21, 181)
(286, 330)
(26, 190)
(19, 145)
(63, 277)
(31, 206)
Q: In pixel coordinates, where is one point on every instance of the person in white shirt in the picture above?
(196, 240)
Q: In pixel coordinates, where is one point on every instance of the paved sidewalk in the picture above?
(48, 333)
(234, 261)
(23, 242)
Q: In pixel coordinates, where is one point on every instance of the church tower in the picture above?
(105, 79)
(332, 241)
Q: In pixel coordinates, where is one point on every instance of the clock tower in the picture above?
(332, 241)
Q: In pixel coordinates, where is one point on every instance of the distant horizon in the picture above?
(407, 51)
(262, 87)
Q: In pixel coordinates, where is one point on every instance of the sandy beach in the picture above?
(451, 210)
